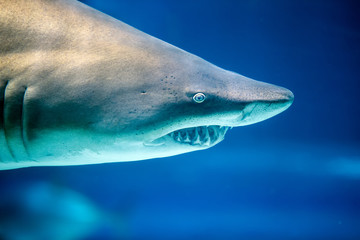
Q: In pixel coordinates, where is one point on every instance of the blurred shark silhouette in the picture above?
(44, 211)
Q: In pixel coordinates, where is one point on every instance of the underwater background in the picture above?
(294, 176)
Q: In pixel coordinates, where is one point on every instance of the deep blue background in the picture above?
(295, 176)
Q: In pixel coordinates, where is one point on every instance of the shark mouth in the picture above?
(199, 136)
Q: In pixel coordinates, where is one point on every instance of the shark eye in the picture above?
(199, 97)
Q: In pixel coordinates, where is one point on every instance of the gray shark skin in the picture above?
(80, 87)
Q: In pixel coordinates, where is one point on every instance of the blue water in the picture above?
(295, 176)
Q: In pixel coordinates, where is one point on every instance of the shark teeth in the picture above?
(201, 136)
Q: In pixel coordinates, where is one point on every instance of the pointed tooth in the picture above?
(222, 130)
(207, 138)
(187, 138)
(216, 129)
(178, 137)
(197, 137)
(181, 133)
(203, 133)
(217, 132)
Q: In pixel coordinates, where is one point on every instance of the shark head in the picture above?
(197, 104)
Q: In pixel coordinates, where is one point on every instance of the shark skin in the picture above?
(80, 87)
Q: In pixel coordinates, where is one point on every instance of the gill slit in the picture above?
(22, 123)
(4, 124)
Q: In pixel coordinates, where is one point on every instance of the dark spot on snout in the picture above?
(143, 92)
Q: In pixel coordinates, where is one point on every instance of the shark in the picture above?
(38, 210)
(80, 87)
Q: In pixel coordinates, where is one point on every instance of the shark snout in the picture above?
(280, 95)
(283, 100)
(260, 100)
(272, 102)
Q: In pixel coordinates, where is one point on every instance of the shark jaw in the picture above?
(201, 136)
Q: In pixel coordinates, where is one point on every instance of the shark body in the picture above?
(80, 87)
